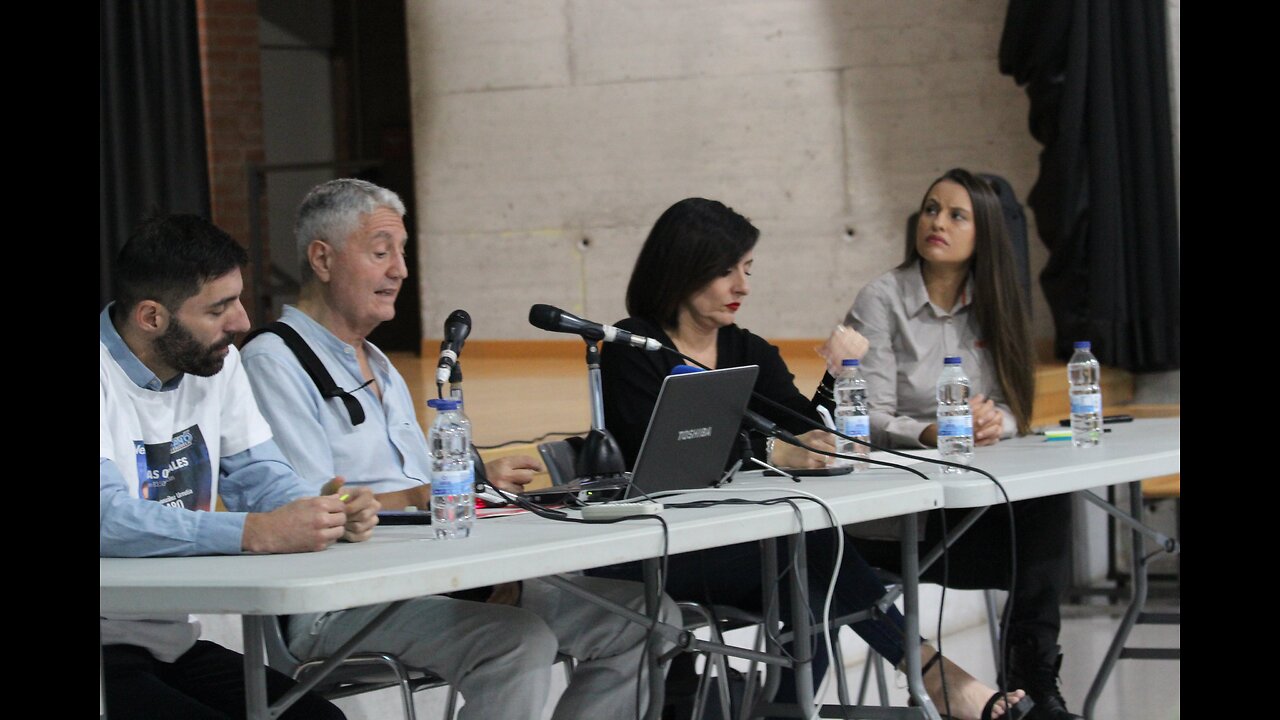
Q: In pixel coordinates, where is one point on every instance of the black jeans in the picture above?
(980, 560)
(207, 682)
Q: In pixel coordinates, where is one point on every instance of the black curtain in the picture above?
(1096, 72)
(150, 120)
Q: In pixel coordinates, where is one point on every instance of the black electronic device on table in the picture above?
(404, 517)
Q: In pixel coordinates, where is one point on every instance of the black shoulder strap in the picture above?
(319, 375)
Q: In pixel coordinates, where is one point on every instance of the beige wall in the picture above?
(543, 122)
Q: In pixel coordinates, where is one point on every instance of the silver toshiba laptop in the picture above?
(692, 430)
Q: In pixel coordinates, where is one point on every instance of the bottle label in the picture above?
(855, 425)
(1086, 403)
(453, 482)
(955, 426)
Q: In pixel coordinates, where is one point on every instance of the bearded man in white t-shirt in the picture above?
(179, 429)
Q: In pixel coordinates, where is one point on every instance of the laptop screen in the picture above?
(692, 429)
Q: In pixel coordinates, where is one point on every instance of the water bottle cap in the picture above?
(1082, 345)
(443, 404)
(953, 360)
(850, 362)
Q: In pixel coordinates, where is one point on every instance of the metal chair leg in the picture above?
(881, 684)
(751, 684)
(874, 663)
(452, 704)
(993, 625)
(704, 680)
(713, 661)
(837, 664)
(866, 675)
(406, 691)
(722, 671)
(700, 694)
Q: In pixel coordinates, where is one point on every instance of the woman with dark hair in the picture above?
(956, 293)
(687, 284)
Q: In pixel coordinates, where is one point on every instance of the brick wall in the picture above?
(231, 73)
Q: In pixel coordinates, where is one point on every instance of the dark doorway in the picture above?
(336, 104)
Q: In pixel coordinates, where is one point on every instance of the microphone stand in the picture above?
(455, 393)
(745, 455)
(455, 381)
(600, 457)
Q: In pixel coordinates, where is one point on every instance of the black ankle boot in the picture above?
(1034, 667)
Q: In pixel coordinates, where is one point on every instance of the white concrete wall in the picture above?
(543, 122)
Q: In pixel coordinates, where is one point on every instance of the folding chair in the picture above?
(359, 673)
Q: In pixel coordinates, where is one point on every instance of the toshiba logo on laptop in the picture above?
(693, 433)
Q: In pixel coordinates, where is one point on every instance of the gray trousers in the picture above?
(500, 657)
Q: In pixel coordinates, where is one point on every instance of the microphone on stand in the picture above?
(554, 319)
(600, 458)
(456, 329)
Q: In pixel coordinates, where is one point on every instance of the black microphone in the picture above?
(554, 319)
(456, 330)
(767, 427)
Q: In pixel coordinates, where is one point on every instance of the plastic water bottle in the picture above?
(955, 418)
(851, 415)
(1085, 377)
(453, 492)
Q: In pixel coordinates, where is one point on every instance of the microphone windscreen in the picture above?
(545, 317)
(458, 326)
(459, 316)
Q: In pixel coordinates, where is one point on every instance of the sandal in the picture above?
(1017, 711)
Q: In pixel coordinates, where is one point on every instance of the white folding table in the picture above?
(1030, 467)
(401, 562)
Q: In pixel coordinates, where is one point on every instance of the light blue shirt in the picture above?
(258, 479)
(387, 452)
